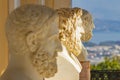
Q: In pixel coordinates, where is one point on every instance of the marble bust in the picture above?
(76, 26)
(32, 33)
(45, 44)
(88, 26)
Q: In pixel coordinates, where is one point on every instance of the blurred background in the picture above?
(106, 14)
(106, 35)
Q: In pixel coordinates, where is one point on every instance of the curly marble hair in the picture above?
(72, 20)
(33, 29)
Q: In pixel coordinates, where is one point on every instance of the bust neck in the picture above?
(21, 68)
(70, 58)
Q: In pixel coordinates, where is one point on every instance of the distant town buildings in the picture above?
(96, 54)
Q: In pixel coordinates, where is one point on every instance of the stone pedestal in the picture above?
(85, 73)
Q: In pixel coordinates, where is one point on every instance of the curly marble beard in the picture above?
(44, 62)
(72, 46)
(86, 36)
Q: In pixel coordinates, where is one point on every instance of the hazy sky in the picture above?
(102, 9)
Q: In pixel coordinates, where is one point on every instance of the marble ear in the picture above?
(32, 41)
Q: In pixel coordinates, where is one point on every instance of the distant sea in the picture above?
(105, 36)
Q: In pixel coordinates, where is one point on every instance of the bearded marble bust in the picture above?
(76, 26)
(32, 33)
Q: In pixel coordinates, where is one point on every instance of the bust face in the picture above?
(87, 24)
(33, 30)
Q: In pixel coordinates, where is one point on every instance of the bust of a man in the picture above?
(76, 26)
(32, 33)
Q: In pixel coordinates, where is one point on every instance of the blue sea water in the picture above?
(105, 36)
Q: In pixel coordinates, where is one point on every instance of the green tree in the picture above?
(108, 64)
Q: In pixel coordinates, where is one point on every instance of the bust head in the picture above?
(33, 30)
(70, 29)
(87, 24)
(76, 25)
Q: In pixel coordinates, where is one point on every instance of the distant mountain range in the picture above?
(106, 25)
(105, 43)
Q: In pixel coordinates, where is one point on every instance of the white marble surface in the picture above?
(68, 67)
